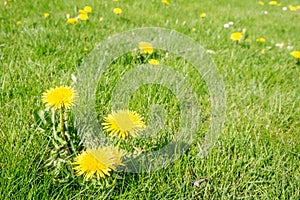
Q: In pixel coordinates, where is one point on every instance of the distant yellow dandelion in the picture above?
(202, 15)
(90, 162)
(261, 40)
(153, 62)
(81, 11)
(166, 2)
(236, 36)
(60, 97)
(298, 7)
(19, 22)
(273, 3)
(146, 47)
(261, 3)
(123, 123)
(292, 8)
(88, 9)
(83, 17)
(73, 20)
(46, 15)
(296, 54)
(117, 11)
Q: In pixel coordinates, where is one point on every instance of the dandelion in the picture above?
(117, 11)
(83, 17)
(19, 22)
(261, 3)
(123, 123)
(46, 15)
(99, 162)
(81, 11)
(60, 97)
(146, 47)
(261, 40)
(88, 9)
(73, 20)
(298, 7)
(296, 54)
(153, 62)
(202, 15)
(273, 3)
(236, 36)
(292, 8)
(166, 2)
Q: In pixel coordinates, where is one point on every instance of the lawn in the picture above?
(257, 152)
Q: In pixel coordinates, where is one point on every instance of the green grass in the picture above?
(258, 153)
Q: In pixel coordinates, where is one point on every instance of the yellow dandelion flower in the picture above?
(298, 7)
(117, 11)
(146, 47)
(46, 15)
(60, 97)
(153, 62)
(261, 3)
(90, 162)
(83, 17)
(273, 3)
(88, 9)
(123, 123)
(202, 15)
(261, 40)
(81, 11)
(166, 2)
(73, 20)
(296, 54)
(292, 8)
(236, 36)
(19, 22)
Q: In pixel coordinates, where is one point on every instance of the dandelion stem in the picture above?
(62, 123)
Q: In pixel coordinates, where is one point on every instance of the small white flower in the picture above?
(230, 23)
(279, 45)
(290, 47)
(226, 25)
(183, 23)
(284, 8)
(211, 51)
(265, 12)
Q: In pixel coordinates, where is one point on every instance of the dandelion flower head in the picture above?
(146, 47)
(123, 123)
(60, 97)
